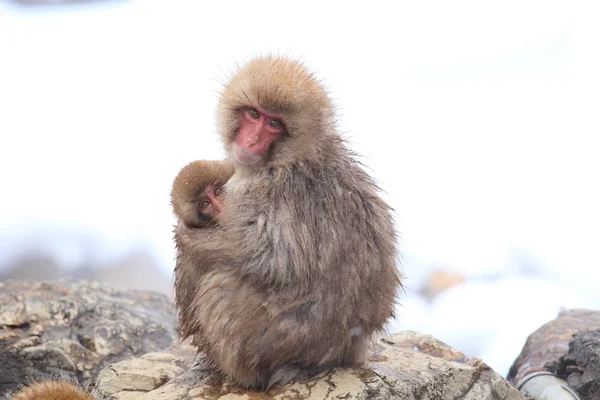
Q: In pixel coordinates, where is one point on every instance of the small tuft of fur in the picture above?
(60, 386)
(52, 390)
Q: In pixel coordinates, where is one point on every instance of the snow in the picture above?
(480, 120)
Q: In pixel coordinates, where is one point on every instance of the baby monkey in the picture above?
(197, 192)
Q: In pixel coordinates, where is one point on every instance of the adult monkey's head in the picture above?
(273, 113)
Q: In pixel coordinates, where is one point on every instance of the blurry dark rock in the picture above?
(137, 270)
(546, 346)
(77, 327)
(33, 266)
(407, 366)
(581, 365)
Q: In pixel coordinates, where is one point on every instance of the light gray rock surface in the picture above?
(406, 366)
(76, 327)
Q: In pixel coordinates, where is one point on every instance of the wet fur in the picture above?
(302, 270)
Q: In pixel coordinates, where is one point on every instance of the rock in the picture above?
(34, 264)
(581, 365)
(82, 327)
(546, 346)
(137, 270)
(79, 327)
(404, 366)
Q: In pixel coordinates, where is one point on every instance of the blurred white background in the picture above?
(480, 120)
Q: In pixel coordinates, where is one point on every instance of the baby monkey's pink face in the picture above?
(258, 130)
(210, 206)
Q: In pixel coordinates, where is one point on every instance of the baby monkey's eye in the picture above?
(205, 204)
(275, 124)
(218, 190)
(254, 113)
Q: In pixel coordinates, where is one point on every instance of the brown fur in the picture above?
(189, 186)
(52, 390)
(301, 271)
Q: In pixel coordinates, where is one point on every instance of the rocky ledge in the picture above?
(125, 344)
(406, 366)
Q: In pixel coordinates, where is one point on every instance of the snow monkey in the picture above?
(300, 271)
(197, 192)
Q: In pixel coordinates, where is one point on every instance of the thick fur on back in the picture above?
(302, 270)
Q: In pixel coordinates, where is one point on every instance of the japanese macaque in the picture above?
(300, 271)
(197, 192)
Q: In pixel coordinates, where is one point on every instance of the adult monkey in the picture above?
(301, 269)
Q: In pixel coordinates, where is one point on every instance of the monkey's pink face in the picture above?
(258, 130)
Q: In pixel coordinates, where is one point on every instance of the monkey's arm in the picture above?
(207, 245)
(199, 252)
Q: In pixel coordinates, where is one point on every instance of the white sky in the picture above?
(480, 119)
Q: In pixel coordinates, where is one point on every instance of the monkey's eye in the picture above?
(205, 204)
(275, 124)
(254, 113)
(218, 190)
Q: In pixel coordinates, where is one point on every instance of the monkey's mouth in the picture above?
(244, 156)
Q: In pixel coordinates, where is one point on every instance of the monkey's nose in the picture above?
(252, 140)
(254, 137)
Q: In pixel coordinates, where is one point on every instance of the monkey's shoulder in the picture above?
(338, 194)
(350, 187)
